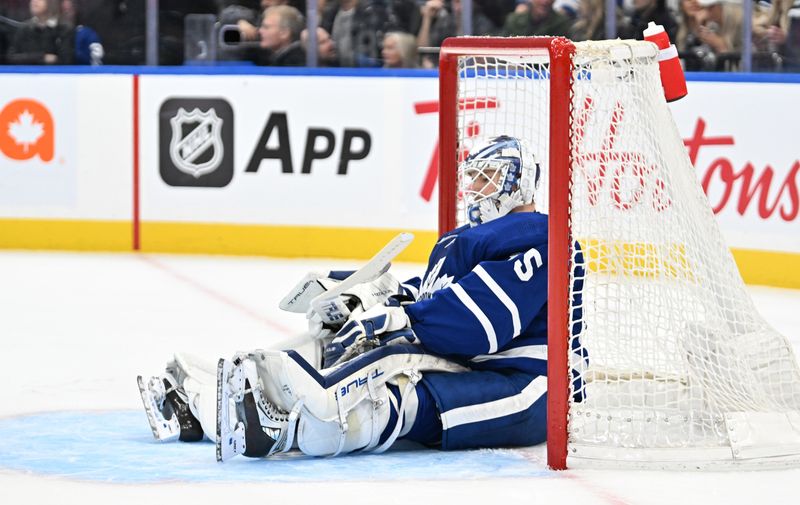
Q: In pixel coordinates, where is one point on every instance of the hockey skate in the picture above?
(167, 410)
(248, 423)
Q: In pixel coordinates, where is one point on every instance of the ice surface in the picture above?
(76, 329)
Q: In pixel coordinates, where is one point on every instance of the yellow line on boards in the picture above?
(278, 241)
(769, 268)
(63, 234)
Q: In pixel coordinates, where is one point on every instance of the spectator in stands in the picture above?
(591, 21)
(692, 50)
(120, 24)
(358, 26)
(538, 19)
(567, 8)
(399, 50)
(280, 34)
(441, 19)
(720, 28)
(249, 22)
(87, 45)
(645, 11)
(339, 19)
(778, 34)
(42, 39)
(326, 49)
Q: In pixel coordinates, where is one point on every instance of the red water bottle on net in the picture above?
(672, 79)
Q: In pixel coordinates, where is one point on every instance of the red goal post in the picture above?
(559, 51)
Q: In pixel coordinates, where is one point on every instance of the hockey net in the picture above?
(657, 356)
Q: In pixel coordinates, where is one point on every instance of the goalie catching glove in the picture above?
(353, 301)
(381, 325)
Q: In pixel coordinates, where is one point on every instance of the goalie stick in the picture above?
(329, 303)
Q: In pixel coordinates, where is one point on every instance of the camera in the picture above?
(229, 35)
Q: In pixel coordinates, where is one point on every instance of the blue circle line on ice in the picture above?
(117, 446)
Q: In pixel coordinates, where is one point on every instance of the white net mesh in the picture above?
(676, 350)
(503, 96)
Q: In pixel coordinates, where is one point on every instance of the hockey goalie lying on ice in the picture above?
(455, 360)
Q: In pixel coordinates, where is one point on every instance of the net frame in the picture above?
(560, 159)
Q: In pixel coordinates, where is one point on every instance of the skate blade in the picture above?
(230, 385)
(164, 430)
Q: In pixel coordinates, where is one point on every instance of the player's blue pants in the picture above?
(481, 409)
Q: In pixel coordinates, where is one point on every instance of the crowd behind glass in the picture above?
(377, 33)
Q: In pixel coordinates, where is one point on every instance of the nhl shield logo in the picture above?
(196, 142)
(196, 147)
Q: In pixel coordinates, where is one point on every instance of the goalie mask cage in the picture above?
(657, 356)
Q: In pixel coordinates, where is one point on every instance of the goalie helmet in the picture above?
(496, 178)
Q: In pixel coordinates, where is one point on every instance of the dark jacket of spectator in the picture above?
(35, 40)
(120, 25)
(291, 56)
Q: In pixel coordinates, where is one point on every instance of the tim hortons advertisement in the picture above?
(313, 151)
(37, 143)
(742, 140)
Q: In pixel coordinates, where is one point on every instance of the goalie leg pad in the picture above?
(350, 407)
(366, 426)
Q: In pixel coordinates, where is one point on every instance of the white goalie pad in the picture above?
(349, 407)
(328, 395)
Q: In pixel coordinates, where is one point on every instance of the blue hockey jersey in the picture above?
(483, 298)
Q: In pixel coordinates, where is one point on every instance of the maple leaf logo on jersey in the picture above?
(433, 282)
(26, 130)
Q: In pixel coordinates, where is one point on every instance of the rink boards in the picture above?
(323, 163)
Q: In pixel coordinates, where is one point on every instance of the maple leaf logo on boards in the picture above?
(26, 130)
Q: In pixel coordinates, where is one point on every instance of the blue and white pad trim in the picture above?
(347, 407)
